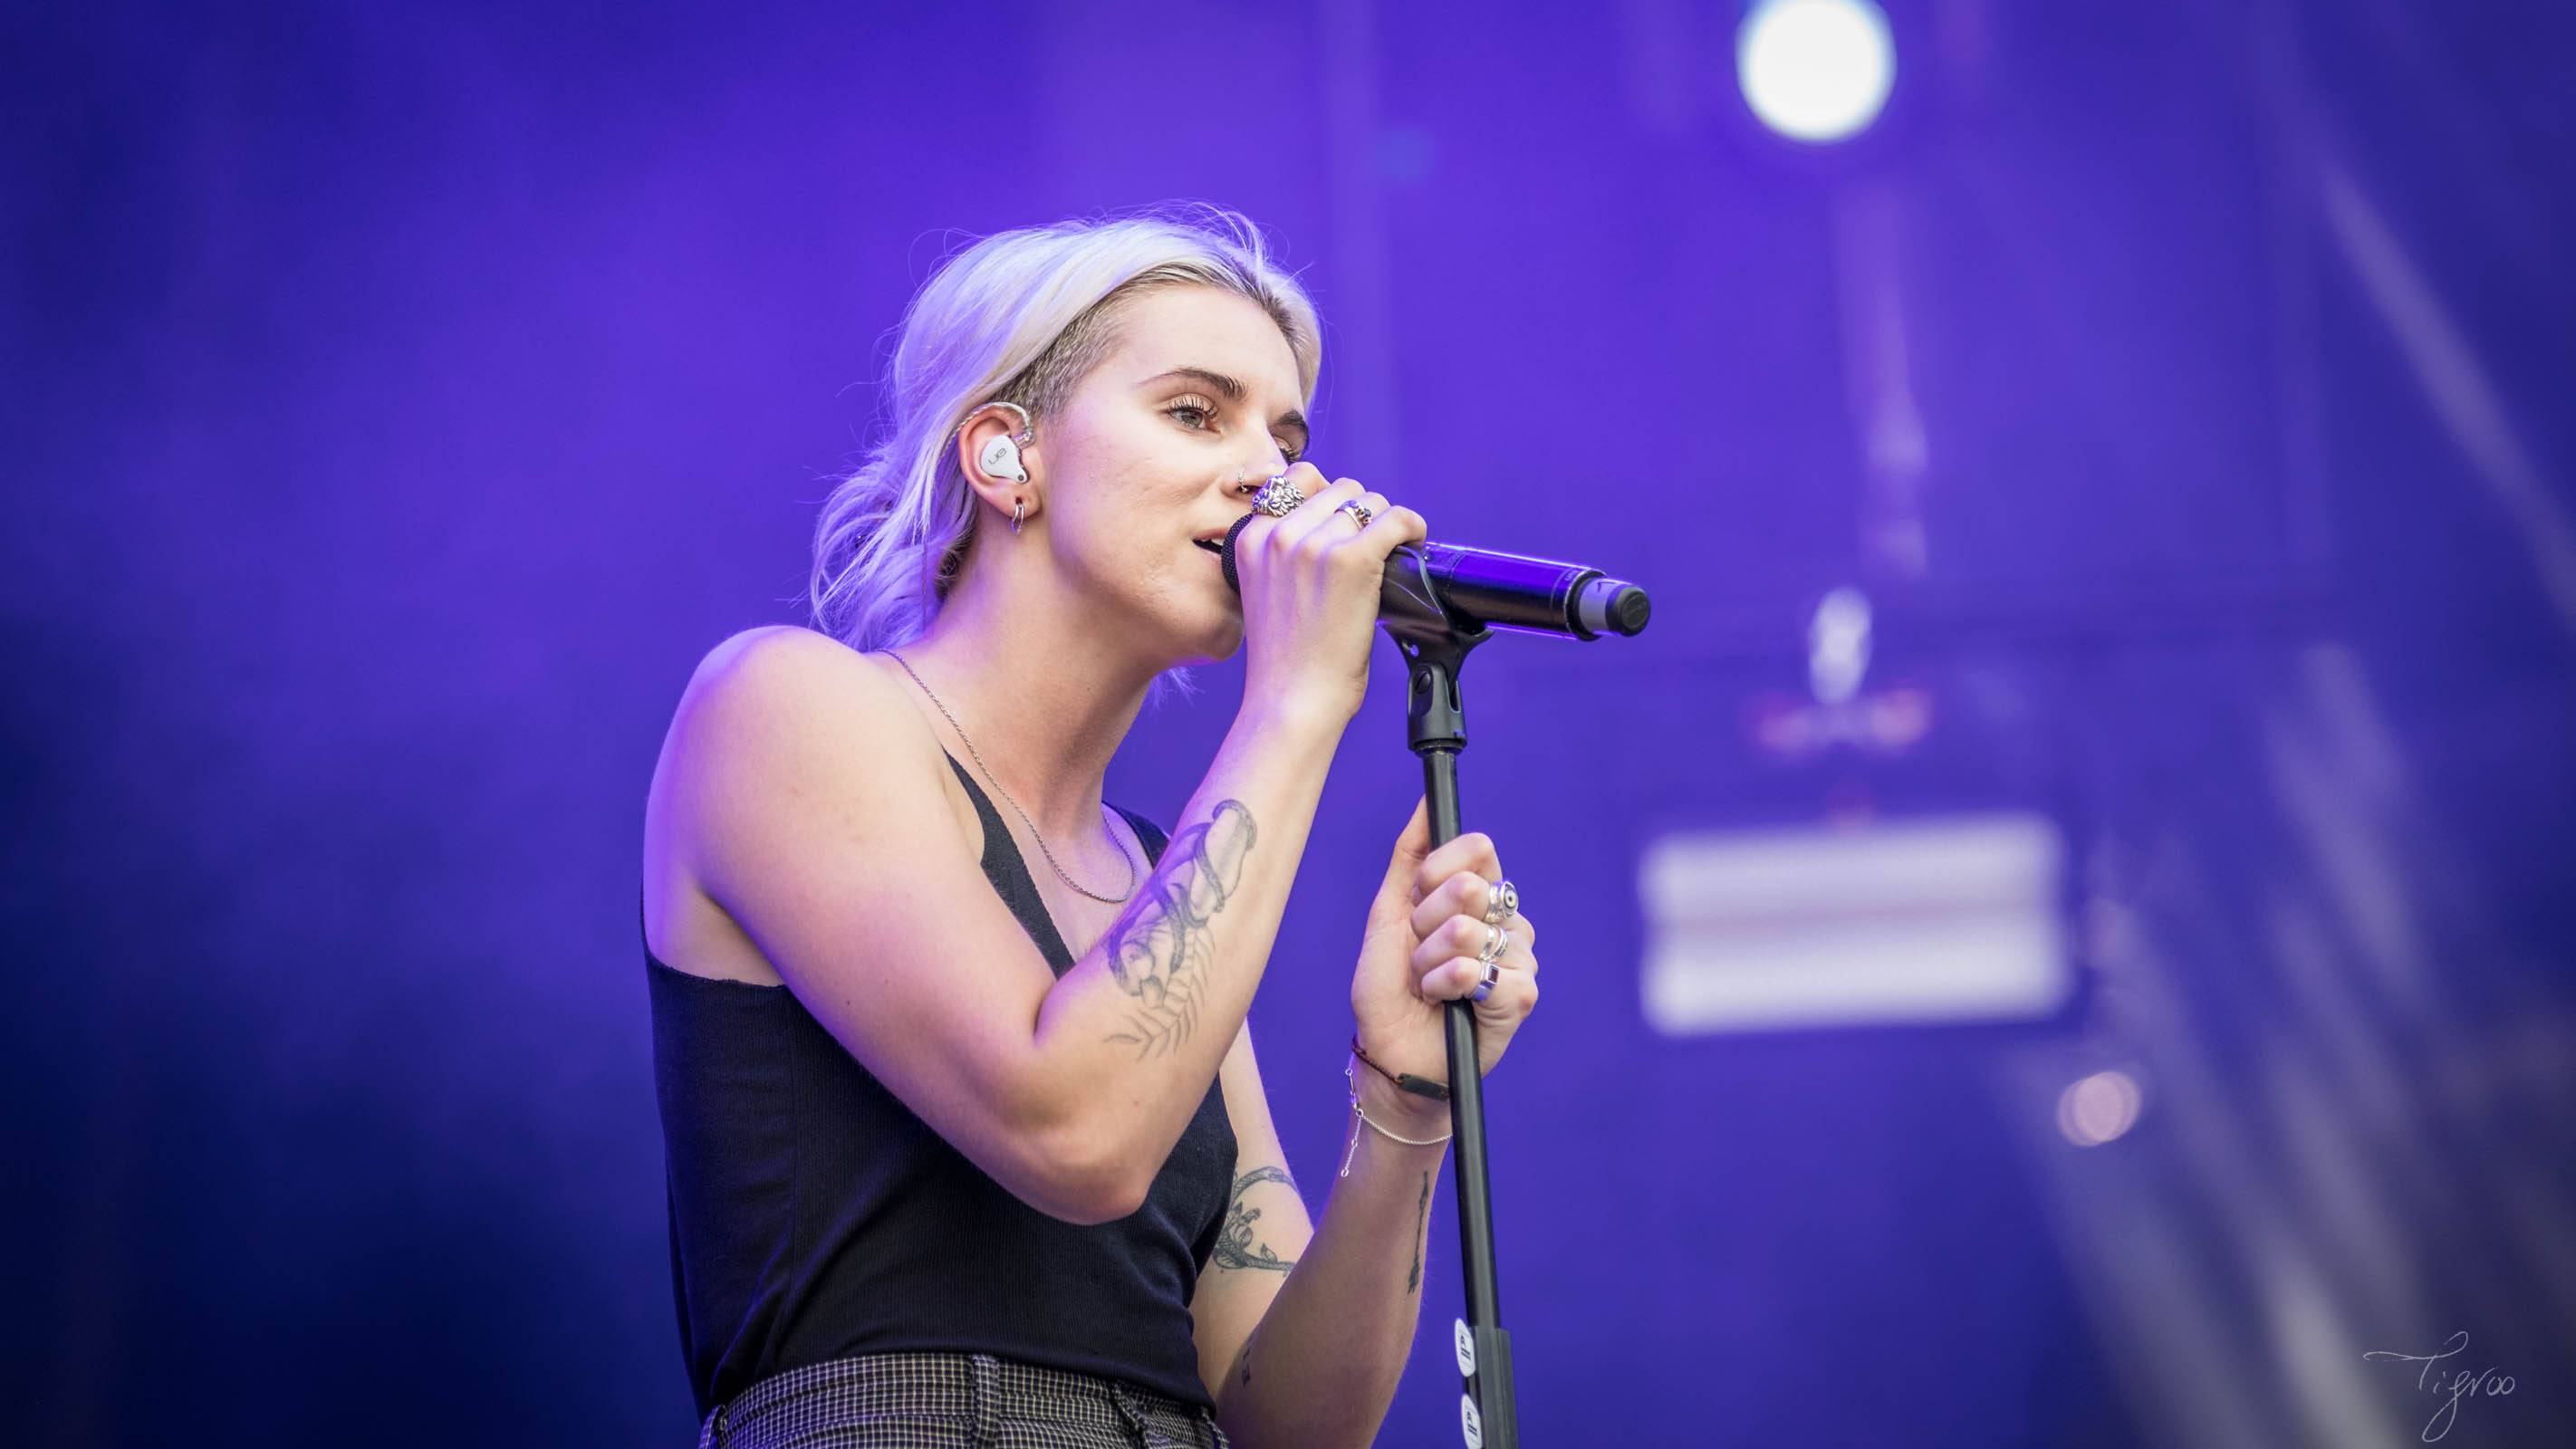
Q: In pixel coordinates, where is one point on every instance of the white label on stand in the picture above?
(1466, 1351)
(1469, 1424)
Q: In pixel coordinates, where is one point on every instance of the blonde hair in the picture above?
(1021, 316)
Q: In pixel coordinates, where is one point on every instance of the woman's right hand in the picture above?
(1311, 583)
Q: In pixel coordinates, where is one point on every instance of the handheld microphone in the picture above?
(1478, 587)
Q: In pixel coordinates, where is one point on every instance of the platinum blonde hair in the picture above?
(1021, 316)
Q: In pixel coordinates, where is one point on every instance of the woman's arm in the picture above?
(1332, 1338)
(802, 793)
(1321, 1363)
(1142, 1023)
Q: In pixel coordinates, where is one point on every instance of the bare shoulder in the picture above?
(779, 694)
(778, 673)
(786, 743)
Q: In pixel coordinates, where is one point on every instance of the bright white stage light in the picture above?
(1815, 70)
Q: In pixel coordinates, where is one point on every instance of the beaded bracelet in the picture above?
(1352, 1151)
(1418, 1086)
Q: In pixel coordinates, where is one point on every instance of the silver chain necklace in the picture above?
(1015, 805)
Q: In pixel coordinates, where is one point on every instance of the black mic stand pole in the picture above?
(1435, 645)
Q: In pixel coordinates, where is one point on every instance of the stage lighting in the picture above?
(1815, 70)
(2099, 1108)
(1944, 919)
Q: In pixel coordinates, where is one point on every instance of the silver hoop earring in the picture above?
(1018, 505)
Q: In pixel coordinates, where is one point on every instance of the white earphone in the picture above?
(1001, 458)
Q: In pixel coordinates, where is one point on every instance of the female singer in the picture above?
(964, 1152)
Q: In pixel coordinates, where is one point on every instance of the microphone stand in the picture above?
(1434, 643)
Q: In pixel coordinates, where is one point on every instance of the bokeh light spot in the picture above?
(1815, 70)
(2096, 1109)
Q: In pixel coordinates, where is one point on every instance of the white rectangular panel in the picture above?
(1927, 920)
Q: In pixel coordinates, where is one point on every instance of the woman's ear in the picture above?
(1000, 465)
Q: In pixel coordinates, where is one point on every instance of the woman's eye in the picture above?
(1194, 416)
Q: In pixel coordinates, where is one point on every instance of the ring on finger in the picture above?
(1498, 939)
(1502, 903)
(1279, 497)
(1485, 987)
(1358, 511)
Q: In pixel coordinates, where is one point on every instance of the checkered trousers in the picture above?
(952, 1400)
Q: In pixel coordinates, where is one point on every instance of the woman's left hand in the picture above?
(1419, 952)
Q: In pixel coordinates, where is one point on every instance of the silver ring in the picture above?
(1502, 903)
(1359, 510)
(1278, 497)
(1498, 939)
(1485, 988)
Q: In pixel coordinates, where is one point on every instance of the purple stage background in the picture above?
(405, 397)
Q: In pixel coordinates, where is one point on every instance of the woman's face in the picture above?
(1201, 390)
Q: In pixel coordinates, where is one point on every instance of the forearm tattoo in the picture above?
(1160, 949)
(1243, 1355)
(1421, 1209)
(1234, 1245)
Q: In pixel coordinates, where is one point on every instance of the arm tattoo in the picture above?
(1243, 1355)
(1160, 948)
(1421, 1207)
(1234, 1245)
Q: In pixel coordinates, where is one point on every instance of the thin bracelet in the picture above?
(1353, 1150)
(1418, 1086)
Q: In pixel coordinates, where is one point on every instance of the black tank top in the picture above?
(813, 1216)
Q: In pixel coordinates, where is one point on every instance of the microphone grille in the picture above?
(1629, 610)
(1226, 552)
